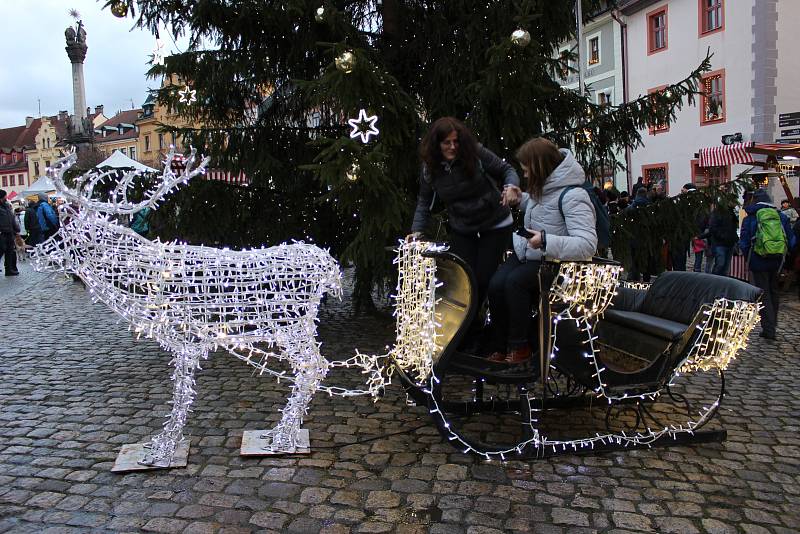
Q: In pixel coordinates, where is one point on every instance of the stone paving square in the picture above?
(75, 385)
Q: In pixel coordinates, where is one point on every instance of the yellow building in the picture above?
(154, 144)
(49, 140)
(119, 133)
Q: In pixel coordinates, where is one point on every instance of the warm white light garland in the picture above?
(260, 305)
(585, 290)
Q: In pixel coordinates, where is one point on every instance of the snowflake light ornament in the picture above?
(363, 126)
(188, 95)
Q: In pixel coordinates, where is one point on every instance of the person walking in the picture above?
(788, 210)
(477, 188)
(765, 239)
(32, 224)
(9, 233)
(721, 235)
(638, 271)
(47, 217)
(554, 178)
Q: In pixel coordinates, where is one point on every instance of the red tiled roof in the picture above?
(9, 136)
(19, 165)
(128, 116)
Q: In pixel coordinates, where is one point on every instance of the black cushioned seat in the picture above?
(642, 322)
(652, 322)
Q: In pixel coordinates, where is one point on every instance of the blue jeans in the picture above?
(722, 259)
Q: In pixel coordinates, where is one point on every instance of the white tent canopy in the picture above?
(118, 160)
(42, 185)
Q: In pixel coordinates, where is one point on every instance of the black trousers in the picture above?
(768, 282)
(8, 251)
(483, 252)
(512, 291)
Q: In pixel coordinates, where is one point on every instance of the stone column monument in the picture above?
(80, 128)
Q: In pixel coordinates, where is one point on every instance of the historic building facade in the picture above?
(754, 78)
(602, 72)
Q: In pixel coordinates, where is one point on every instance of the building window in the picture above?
(124, 150)
(702, 176)
(657, 128)
(713, 98)
(20, 179)
(147, 143)
(656, 173)
(132, 152)
(605, 97)
(11, 180)
(160, 141)
(593, 47)
(173, 139)
(36, 168)
(5, 181)
(712, 16)
(565, 67)
(657, 30)
(47, 164)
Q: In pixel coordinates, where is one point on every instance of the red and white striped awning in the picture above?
(238, 178)
(717, 156)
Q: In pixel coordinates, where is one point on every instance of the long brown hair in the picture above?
(431, 154)
(541, 156)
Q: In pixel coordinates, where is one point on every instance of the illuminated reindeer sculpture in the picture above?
(195, 299)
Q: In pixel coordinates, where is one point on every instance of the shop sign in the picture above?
(789, 119)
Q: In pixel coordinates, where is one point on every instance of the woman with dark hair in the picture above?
(554, 177)
(476, 188)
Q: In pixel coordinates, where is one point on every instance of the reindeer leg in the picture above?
(310, 370)
(162, 446)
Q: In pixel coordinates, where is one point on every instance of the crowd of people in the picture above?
(37, 222)
(560, 220)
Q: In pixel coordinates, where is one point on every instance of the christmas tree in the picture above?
(280, 86)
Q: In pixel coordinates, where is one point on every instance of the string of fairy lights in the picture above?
(585, 290)
(260, 305)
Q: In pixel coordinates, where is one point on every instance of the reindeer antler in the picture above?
(119, 202)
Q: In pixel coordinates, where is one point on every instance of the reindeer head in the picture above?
(85, 216)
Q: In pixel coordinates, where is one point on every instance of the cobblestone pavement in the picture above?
(77, 386)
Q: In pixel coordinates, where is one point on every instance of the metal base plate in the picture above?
(130, 455)
(255, 444)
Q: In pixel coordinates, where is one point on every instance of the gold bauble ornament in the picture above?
(352, 173)
(521, 38)
(346, 62)
(119, 9)
(319, 14)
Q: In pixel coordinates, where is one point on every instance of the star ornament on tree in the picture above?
(187, 95)
(363, 126)
(158, 53)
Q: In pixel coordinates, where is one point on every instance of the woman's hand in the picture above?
(511, 196)
(413, 236)
(535, 241)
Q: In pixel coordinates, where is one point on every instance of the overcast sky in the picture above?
(36, 65)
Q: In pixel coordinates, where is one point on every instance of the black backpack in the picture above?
(602, 220)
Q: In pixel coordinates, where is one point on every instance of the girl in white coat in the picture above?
(515, 287)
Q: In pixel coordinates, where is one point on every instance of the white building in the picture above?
(601, 69)
(755, 77)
